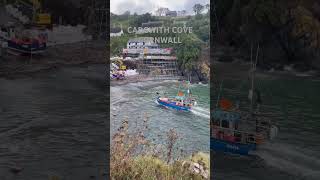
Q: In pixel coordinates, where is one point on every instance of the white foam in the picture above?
(199, 111)
(290, 159)
(131, 72)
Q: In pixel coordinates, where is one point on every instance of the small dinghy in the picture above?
(27, 45)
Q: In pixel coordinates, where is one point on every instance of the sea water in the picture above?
(134, 101)
(293, 104)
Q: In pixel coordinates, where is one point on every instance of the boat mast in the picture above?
(253, 69)
(188, 89)
(218, 99)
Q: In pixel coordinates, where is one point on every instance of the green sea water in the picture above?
(132, 101)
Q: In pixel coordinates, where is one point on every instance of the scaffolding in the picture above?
(158, 67)
(150, 59)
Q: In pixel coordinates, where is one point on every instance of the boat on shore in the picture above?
(26, 46)
(24, 42)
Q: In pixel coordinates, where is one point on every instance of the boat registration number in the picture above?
(232, 147)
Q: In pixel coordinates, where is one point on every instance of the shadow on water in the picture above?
(53, 123)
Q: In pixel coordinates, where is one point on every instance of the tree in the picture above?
(117, 44)
(188, 52)
(198, 8)
(290, 29)
(207, 6)
(127, 13)
(139, 19)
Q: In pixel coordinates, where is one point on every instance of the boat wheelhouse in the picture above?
(227, 135)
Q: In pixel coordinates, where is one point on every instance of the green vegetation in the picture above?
(188, 52)
(198, 8)
(71, 12)
(201, 26)
(148, 167)
(117, 44)
(288, 31)
(133, 156)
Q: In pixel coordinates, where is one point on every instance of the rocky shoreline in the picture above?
(241, 69)
(229, 54)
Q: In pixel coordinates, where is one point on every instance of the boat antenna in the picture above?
(220, 90)
(188, 90)
(179, 87)
(253, 69)
(216, 17)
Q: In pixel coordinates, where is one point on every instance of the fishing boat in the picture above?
(183, 101)
(24, 41)
(240, 132)
(27, 45)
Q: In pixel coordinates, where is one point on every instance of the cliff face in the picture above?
(287, 31)
(201, 71)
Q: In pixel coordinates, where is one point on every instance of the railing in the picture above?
(236, 135)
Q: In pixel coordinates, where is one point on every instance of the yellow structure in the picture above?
(43, 18)
(38, 17)
(120, 64)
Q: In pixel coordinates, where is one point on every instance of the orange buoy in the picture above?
(225, 104)
(259, 138)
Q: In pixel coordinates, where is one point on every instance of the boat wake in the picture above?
(295, 161)
(199, 111)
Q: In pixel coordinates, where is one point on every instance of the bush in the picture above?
(133, 156)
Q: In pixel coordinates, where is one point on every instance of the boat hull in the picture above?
(27, 48)
(231, 147)
(173, 106)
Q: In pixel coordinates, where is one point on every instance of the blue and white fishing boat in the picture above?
(183, 101)
(239, 132)
(27, 46)
(228, 137)
(27, 41)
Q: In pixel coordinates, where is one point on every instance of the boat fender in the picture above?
(259, 138)
(273, 132)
